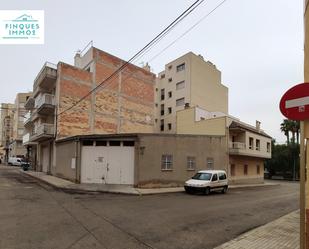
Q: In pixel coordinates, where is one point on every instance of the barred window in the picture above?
(191, 163)
(167, 162)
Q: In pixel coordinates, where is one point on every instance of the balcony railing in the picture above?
(237, 145)
(47, 99)
(44, 129)
(27, 117)
(26, 138)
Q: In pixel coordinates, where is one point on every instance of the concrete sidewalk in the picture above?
(114, 188)
(282, 233)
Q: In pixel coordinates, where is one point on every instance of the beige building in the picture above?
(188, 81)
(248, 145)
(6, 129)
(16, 147)
(142, 160)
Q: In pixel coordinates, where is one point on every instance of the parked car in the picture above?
(206, 181)
(16, 161)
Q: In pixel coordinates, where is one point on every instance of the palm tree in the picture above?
(294, 128)
(297, 131)
(285, 127)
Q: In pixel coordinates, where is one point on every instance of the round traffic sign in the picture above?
(294, 104)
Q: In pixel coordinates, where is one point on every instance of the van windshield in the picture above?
(202, 176)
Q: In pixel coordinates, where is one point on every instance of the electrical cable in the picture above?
(162, 33)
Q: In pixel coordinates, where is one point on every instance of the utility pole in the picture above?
(304, 129)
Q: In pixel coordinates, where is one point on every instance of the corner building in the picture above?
(124, 104)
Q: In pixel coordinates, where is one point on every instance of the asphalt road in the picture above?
(34, 215)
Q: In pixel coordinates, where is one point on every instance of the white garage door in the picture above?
(107, 164)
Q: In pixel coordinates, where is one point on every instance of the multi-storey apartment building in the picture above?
(188, 81)
(248, 146)
(124, 104)
(16, 147)
(6, 127)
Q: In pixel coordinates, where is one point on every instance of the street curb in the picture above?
(138, 192)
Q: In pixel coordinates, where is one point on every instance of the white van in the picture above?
(16, 161)
(206, 181)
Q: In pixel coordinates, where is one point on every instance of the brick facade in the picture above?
(124, 104)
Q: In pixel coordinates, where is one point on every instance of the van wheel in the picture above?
(207, 191)
(224, 190)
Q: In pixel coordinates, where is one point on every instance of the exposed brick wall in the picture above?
(73, 84)
(108, 110)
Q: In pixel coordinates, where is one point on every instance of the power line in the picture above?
(151, 43)
(188, 30)
(145, 52)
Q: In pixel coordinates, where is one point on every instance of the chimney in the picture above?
(258, 125)
(77, 59)
(147, 67)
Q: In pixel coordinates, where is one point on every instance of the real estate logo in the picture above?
(21, 27)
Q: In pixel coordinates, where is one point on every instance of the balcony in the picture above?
(26, 138)
(27, 118)
(46, 78)
(29, 105)
(239, 149)
(42, 132)
(45, 104)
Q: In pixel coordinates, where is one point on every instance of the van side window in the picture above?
(222, 176)
(214, 177)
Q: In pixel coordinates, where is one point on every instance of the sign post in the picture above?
(294, 105)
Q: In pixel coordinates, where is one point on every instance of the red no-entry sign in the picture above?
(294, 104)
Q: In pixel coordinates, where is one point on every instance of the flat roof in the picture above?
(127, 136)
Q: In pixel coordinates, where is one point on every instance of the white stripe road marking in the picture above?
(297, 102)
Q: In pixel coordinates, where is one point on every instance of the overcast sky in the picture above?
(256, 44)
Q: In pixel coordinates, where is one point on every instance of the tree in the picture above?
(285, 127)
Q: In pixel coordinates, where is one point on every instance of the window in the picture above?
(114, 143)
(169, 110)
(232, 169)
(181, 67)
(251, 143)
(180, 85)
(156, 120)
(214, 177)
(167, 162)
(128, 143)
(210, 163)
(87, 143)
(162, 94)
(222, 176)
(170, 79)
(101, 143)
(191, 163)
(169, 125)
(245, 169)
(170, 67)
(162, 109)
(257, 144)
(169, 94)
(258, 169)
(156, 104)
(268, 147)
(162, 125)
(157, 89)
(162, 76)
(180, 102)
